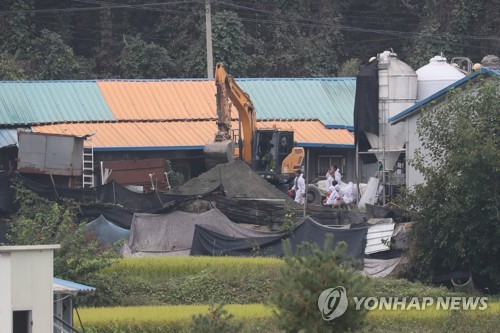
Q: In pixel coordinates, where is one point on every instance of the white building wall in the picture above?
(5, 293)
(27, 270)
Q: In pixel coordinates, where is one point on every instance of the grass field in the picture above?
(258, 318)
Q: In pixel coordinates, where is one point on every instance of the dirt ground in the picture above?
(237, 180)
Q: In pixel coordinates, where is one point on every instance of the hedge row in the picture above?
(184, 280)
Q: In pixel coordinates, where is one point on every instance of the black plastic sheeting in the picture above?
(114, 201)
(366, 101)
(208, 242)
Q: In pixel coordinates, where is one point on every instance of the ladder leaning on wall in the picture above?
(88, 164)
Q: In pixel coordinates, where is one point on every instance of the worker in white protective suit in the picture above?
(330, 177)
(331, 194)
(299, 187)
(336, 174)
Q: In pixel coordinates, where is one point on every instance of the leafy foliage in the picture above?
(350, 68)
(304, 277)
(175, 178)
(217, 320)
(459, 203)
(11, 68)
(40, 221)
(275, 38)
(49, 58)
(145, 60)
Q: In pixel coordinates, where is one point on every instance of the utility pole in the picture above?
(208, 24)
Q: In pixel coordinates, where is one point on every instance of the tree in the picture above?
(41, 221)
(304, 278)
(50, 58)
(144, 60)
(11, 68)
(457, 209)
(350, 68)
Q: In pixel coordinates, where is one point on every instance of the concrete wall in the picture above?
(26, 285)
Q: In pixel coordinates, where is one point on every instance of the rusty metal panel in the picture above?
(136, 172)
(54, 154)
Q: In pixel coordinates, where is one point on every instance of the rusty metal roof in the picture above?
(36, 102)
(188, 135)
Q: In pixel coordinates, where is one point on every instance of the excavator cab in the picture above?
(271, 148)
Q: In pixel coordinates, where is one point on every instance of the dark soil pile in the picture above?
(237, 180)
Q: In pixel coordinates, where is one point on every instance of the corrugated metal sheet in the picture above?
(329, 100)
(180, 135)
(377, 237)
(35, 102)
(8, 137)
(161, 100)
(313, 133)
(61, 286)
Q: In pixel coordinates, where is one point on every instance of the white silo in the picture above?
(436, 75)
(397, 92)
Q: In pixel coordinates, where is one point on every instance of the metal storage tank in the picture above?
(397, 92)
(436, 75)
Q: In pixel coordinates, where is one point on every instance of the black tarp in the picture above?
(366, 100)
(6, 193)
(210, 242)
(114, 201)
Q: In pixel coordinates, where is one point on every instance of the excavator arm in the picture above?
(219, 150)
(245, 108)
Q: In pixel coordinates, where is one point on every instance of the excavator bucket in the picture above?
(218, 152)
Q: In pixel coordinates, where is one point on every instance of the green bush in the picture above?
(41, 221)
(217, 320)
(304, 278)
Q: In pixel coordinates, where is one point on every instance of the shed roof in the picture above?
(414, 109)
(61, 286)
(8, 137)
(188, 135)
(36, 102)
(160, 99)
(329, 100)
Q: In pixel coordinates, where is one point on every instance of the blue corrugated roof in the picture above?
(415, 108)
(35, 102)
(329, 100)
(61, 285)
(8, 137)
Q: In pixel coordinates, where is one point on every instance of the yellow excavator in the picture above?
(270, 152)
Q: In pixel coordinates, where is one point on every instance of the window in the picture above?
(325, 162)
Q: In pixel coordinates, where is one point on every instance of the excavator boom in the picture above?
(221, 149)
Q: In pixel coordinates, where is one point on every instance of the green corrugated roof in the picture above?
(330, 100)
(35, 102)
